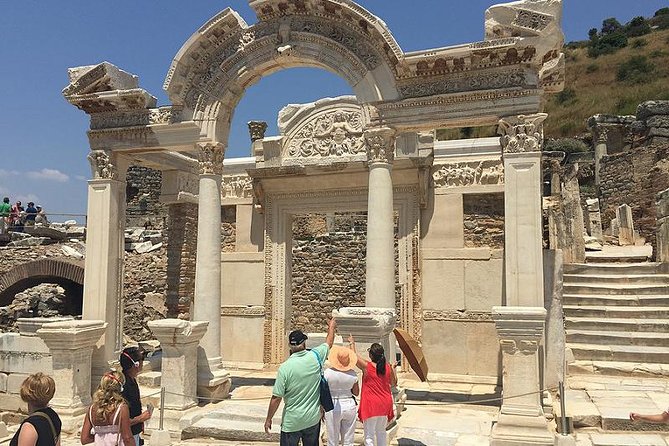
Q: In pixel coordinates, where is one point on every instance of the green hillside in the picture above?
(616, 80)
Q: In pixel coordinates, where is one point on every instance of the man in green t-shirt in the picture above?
(297, 383)
(5, 209)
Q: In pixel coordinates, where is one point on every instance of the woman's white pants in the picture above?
(340, 422)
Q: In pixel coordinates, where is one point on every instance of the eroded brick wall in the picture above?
(483, 220)
(635, 178)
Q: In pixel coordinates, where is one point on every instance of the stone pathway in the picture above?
(606, 401)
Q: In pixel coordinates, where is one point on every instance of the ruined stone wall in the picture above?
(142, 198)
(328, 268)
(484, 220)
(634, 178)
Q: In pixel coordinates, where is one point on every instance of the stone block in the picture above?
(12, 403)
(3, 382)
(248, 348)
(626, 225)
(149, 379)
(446, 229)
(662, 200)
(481, 295)
(652, 108)
(443, 284)
(14, 381)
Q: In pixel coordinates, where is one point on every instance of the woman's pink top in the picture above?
(375, 397)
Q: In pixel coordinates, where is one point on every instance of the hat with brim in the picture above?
(342, 358)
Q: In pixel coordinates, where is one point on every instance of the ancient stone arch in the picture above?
(225, 56)
(43, 270)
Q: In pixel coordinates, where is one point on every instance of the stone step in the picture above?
(620, 254)
(235, 422)
(617, 324)
(617, 337)
(616, 279)
(617, 300)
(613, 311)
(616, 268)
(617, 368)
(621, 353)
(594, 288)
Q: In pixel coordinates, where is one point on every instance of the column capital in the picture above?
(519, 328)
(380, 144)
(177, 332)
(210, 156)
(102, 167)
(71, 335)
(602, 134)
(522, 133)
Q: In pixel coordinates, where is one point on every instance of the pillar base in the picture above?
(519, 430)
(71, 418)
(214, 387)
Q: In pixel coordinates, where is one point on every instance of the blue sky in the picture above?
(43, 142)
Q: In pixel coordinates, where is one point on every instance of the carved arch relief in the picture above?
(225, 56)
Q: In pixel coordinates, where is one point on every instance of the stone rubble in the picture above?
(44, 300)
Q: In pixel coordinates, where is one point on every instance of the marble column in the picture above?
(103, 279)
(521, 144)
(179, 341)
(662, 228)
(380, 271)
(521, 420)
(213, 381)
(71, 345)
(601, 149)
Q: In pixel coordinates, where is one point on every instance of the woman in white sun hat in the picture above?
(343, 383)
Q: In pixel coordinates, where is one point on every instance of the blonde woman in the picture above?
(107, 422)
(42, 427)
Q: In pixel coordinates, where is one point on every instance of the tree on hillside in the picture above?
(610, 26)
(636, 27)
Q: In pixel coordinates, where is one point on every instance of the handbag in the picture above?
(323, 387)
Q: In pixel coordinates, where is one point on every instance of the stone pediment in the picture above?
(98, 78)
(329, 130)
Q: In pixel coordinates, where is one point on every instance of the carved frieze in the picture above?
(464, 82)
(210, 156)
(134, 118)
(335, 133)
(522, 346)
(237, 186)
(531, 19)
(243, 310)
(522, 133)
(101, 165)
(380, 143)
(457, 315)
(468, 173)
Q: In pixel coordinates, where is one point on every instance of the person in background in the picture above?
(40, 218)
(5, 211)
(42, 427)
(656, 418)
(107, 422)
(31, 213)
(376, 400)
(16, 217)
(131, 362)
(298, 384)
(343, 383)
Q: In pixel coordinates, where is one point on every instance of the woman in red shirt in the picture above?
(376, 399)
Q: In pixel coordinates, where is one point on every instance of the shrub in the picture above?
(636, 27)
(607, 44)
(639, 43)
(610, 25)
(636, 70)
(566, 95)
(567, 145)
(657, 53)
(662, 11)
(591, 68)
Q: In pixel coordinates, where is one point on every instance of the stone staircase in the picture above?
(617, 318)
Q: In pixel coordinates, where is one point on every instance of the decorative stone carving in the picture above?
(522, 133)
(243, 310)
(468, 173)
(464, 82)
(101, 165)
(602, 135)
(210, 156)
(335, 133)
(380, 143)
(257, 130)
(237, 186)
(531, 19)
(457, 315)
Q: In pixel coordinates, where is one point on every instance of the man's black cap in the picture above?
(296, 337)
